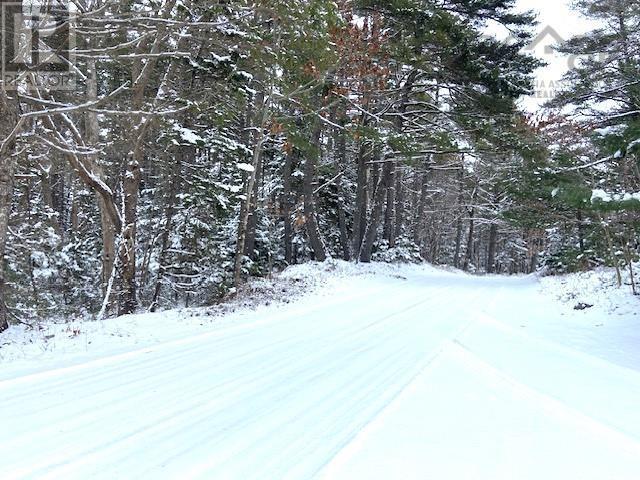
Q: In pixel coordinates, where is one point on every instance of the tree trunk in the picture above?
(456, 255)
(399, 214)
(311, 220)
(286, 208)
(469, 253)
(629, 259)
(384, 182)
(418, 228)
(341, 145)
(245, 209)
(8, 131)
(342, 226)
(374, 169)
(74, 208)
(109, 230)
(141, 74)
(55, 221)
(491, 255)
(393, 216)
(6, 194)
(612, 250)
(252, 224)
(360, 213)
(108, 243)
(169, 212)
(388, 229)
(127, 301)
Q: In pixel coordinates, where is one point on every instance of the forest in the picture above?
(201, 143)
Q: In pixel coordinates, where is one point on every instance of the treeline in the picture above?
(208, 141)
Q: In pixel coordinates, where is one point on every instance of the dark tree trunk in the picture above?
(456, 254)
(395, 201)
(491, 254)
(459, 225)
(388, 230)
(376, 212)
(108, 226)
(8, 132)
(399, 206)
(344, 234)
(74, 210)
(253, 116)
(245, 208)
(375, 167)
(341, 145)
(418, 232)
(252, 224)
(286, 208)
(469, 253)
(6, 194)
(108, 243)
(170, 209)
(477, 249)
(141, 74)
(127, 301)
(360, 213)
(311, 220)
(581, 229)
(55, 221)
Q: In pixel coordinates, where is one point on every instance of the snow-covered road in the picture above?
(426, 376)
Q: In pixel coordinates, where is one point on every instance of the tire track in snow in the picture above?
(551, 404)
(598, 388)
(373, 323)
(278, 316)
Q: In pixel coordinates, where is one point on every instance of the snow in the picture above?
(246, 75)
(611, 130)
(603, 196)
(245, 167)
(608, 329)
(220, 58)
(634, 144)
(377, 372)
(359, 22)
(630, 196)
(189, 136)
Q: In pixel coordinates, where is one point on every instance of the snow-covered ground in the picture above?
(376, 372)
